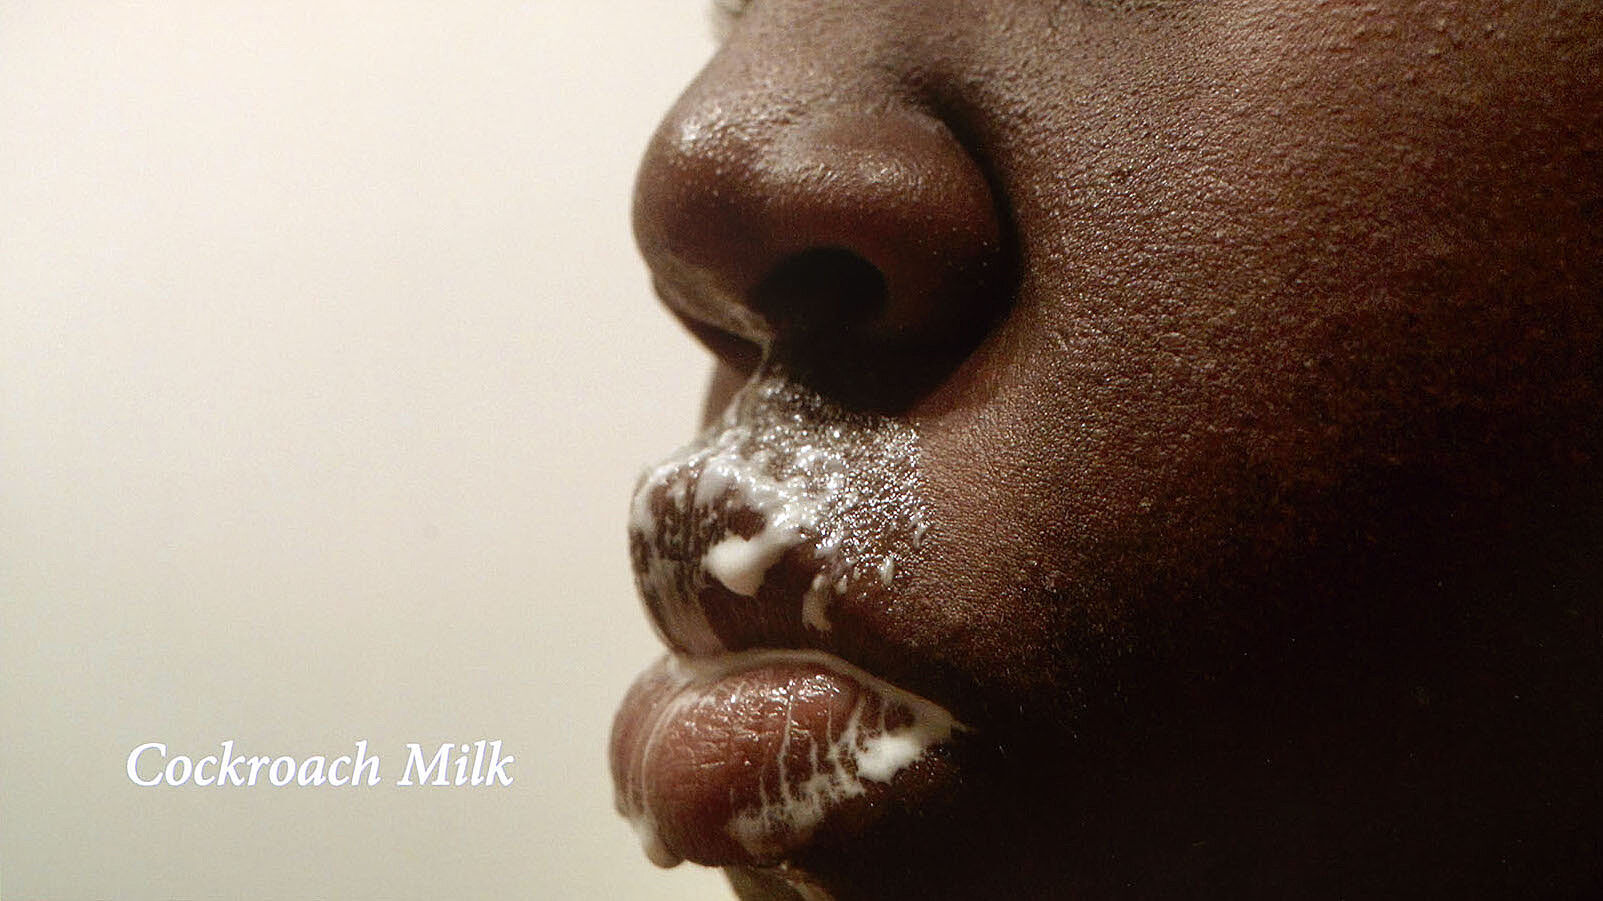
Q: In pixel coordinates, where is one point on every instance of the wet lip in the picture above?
(785, 513)
(757, 552)
(748, 758)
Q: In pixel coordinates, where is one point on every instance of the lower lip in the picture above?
(750, 758)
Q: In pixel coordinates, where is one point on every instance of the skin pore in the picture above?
(1253, 352)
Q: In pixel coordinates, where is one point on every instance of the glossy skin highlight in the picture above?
(1253, 351)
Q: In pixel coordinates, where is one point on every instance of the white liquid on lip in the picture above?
(887, 571)
(843, 490)
(741, 564)
(815, 605)
(863, 751)
(789, 509)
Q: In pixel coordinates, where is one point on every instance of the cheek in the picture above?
(1289, 332)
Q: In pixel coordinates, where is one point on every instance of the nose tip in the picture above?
(834, 238)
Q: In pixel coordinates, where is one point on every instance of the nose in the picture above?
(844, 232)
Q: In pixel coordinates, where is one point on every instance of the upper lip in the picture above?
(779, 527)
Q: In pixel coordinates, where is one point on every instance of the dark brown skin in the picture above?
(1254, 347)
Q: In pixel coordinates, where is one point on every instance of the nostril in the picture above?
(832, 327)
(823, 287)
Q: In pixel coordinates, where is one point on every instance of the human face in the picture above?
(1177, 404)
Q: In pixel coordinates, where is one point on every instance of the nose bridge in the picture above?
(780, 200)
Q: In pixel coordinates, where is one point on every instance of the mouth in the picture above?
(768, 556)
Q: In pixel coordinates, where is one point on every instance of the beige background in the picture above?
(327, 369)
